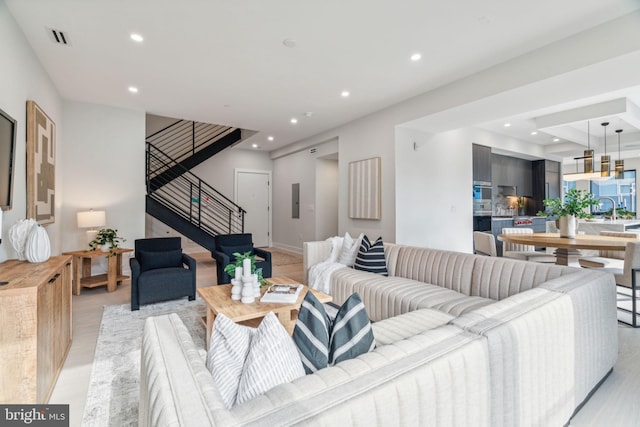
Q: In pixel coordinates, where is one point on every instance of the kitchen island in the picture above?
(590, 226)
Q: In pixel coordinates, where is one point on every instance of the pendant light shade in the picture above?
(588, 153)
(605, 160)
(619, 163)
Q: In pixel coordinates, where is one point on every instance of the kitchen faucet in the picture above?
(613, 202)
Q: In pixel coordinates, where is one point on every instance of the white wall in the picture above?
(218, 171)
(433, 189)
(22, 78)
(327, 186)
(297, 168)
(104, 152)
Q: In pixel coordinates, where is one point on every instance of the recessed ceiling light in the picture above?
(556, 139)
(133, 89)
(254, 145)
(535, 132)
(345, 94)
(293, 120)
(270, 138)
(416, 57)
(308, 114)
(137, 37)
(507, 125)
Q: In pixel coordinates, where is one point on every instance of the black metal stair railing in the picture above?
(183, 139)
(189, 196)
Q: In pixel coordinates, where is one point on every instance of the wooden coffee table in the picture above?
(218, 300)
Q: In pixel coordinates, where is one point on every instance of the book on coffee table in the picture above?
(282, 293)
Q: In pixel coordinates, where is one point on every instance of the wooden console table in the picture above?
(35, 309)
(82, 270)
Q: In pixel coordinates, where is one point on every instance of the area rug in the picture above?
(283, 258)
(113, 395)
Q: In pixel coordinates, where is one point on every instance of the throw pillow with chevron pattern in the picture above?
(323, 342)
(371, 258)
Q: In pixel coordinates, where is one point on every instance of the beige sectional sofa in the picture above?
(461, 340)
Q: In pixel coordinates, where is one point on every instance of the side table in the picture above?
(82, 270)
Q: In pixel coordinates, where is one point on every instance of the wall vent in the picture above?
(59, 37)
(313, 151)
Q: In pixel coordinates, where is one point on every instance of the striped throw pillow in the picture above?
(272, 360)
(323, 342)
(351, 334)
(311, 334)
(371, 257)
(228, 350)
(246, 362)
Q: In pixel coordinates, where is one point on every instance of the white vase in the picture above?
(18, 234)
(567, 226)
(248, 293)
(236, 289)
(38, 247)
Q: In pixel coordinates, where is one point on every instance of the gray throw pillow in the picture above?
(311, 334)
(323, 342)
(351, 334)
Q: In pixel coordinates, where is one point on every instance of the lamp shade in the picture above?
(90, 219)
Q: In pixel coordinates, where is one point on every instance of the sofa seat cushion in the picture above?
(406, 325)
(163, 283)
(386, 297)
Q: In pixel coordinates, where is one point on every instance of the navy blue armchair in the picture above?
(228, 244)
(158, 272)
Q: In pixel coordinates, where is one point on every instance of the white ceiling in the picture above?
(225, 62)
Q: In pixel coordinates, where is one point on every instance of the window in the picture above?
(623, 191)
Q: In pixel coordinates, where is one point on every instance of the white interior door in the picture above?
(253, 194)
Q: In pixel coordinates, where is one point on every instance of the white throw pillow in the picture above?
(336, 247)
(228, 349)
(349, 249)
(273, 359)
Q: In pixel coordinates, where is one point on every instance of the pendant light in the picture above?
(619, 171)
(588, 153)
(605, 159)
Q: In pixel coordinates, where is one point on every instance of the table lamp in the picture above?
(91, 219)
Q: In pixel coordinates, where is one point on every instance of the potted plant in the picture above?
(107, 239)
(569, 211)
(230, 268)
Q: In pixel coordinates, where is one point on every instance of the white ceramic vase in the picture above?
(18, 234)
(37, 247)
(236, 289)
(248, 293)
(567, 226)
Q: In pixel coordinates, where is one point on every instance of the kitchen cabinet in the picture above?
(35, 311)
(481, 163)
(546, 182)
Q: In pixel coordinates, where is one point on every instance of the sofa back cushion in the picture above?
(452, 270)
(499, 278)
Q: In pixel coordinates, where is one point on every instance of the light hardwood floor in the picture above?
(616, 402)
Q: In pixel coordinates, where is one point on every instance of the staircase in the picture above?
(178, 197)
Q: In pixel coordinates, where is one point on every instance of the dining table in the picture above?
(568, 247)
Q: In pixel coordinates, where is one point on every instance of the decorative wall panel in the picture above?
(364, 189)
(41, 144)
